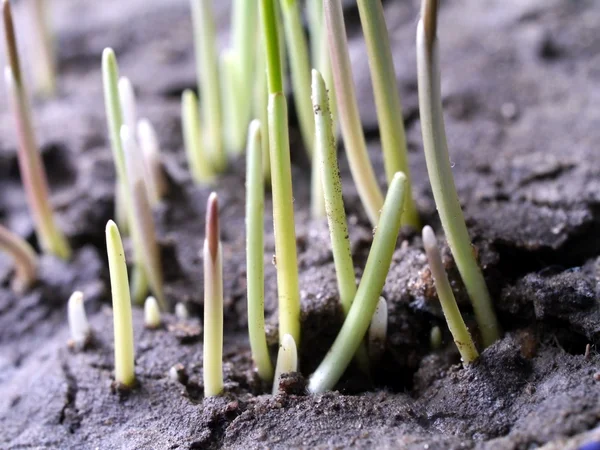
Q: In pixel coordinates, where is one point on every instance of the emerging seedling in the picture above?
(181, 311)
(152, 318)
(44, 56)
(26, 261)
(287, 360)
(143, 221)
(255, 271)
(261, 109)
(123, 325)
(207, 71)
(378, 330)
(387, 99)
(31, 167)
(213, 302)
(155, 175)
(440, 173)
(281, 181)
(233, 131)
(435, 338)
(354, 139)
(378, 263)
(128, 102)
(198, 160)
(456, 324)
(78, 323)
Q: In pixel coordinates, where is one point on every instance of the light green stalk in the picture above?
(26, 261)
(198, 161)
(123, 326)
(281, 182)
(354, 139)
(387, 99)
(44, 54)
(326, 157)
(300, 70)
(31, 167)
(141, 214)
(157, 182)
(207, 71)
(378, 264)
(261, 101)
(213, 302)
(244, 34)
(440, 174)
(456, 324)
(287, 360)
(255, 271)
(233, 126)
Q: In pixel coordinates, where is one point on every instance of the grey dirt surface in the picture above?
(521, 93)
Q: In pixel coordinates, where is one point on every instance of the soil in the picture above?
(520, 81)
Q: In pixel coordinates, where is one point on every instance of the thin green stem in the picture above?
(121, 301)
(197, 158)
(441, 179)
(354, 139)
(26, 261)
(156, 180)
(213, 302)
(387, 99)
(44, 54)
(270, 32)
(456, 324)
(378, 263)
(232, 94)
(255, 271)
(207, 71)
(261, 101)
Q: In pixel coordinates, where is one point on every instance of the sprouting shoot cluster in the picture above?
(242, 99)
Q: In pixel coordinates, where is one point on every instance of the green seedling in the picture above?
(387, 99)
(33, 175)
(354, 139)
(255, 271)
(80, 329)
(233, 127)
(456, 324)
(143, 221)
(155, 175)
(378, 264)
(213, 302)
(261, 107)
(378, 331)
(440, 173)
(121, 301)
(44, 55)
(287, 360)
(152, 319)
(207, 71)
(281, 181)
(198, 160)
(24, 257)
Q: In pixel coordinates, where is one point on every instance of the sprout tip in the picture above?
(212, 224)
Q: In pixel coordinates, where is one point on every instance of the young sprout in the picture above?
(244, 34)
(43, 49)
(325, 159)
(143, 221)
(281, 181)
(261, 110)
(456, 324)
(354, 139)
(198, 161)
(78, 323)
(300, 70)
(255, 271)
(26, 261)
(213, 302)
(128, 102)
(435, 338)
(123, 325)
(233, 131)
(207, 71)
(287, 360)
(31, 167)
(378, 330)
(387, 98)
(181, 311)
(156, 180)
(378, 264)
(152, 317)
(440, 174)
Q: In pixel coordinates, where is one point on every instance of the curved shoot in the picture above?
(26, 261)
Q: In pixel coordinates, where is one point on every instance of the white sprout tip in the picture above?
(181, 311)
(378, 329)
(152, 317)
(78, 323)
(287, 359)
(429, 239)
